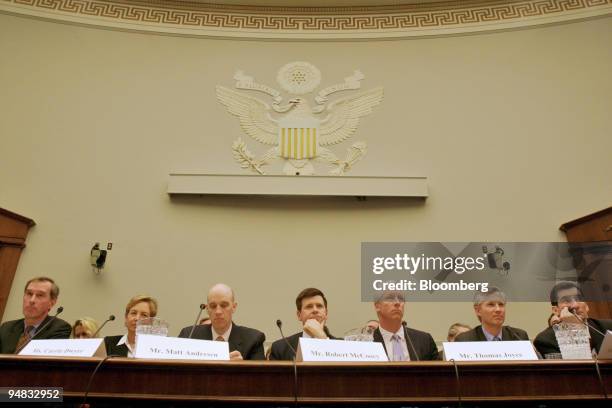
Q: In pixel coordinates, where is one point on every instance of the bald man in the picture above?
(244, 343)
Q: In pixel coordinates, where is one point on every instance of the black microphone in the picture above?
(202, 307)
(572, 310)
(410, 341)
(59, 310)
(279, 323)
(110, 319)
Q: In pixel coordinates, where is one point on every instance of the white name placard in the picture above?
(64, 348)
(175, 348)
(605, 351)
(489, 350)
(339, 350)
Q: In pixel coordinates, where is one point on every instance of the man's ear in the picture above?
(53, 302)
(477, 311)
(556, 310)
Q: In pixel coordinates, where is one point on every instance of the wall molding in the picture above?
(310, 23)
(282, 185)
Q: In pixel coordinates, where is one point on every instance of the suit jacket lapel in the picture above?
(480, 334)
(235, 339)
(16, 332)
(38, 332)
(294, 340)
(413, 357)
(508, 334)
(379, 338)
(207, 331)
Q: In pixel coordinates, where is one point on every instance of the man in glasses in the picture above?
(401, 343)
(568, 305)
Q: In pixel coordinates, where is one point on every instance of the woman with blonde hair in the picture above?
(84, 328)
(139, 307)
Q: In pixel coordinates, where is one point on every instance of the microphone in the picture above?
(110, 319)
(202, 307)
(279, 323)
(572, 310)
(59, 310)
(410, 341)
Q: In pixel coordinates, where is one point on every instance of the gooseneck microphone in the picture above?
(572, 310)
(202, 307)
(410, 341)
(59, 310)
(110, 319)
(279, 323)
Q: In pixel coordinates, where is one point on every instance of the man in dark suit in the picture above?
(565, 298)
(312, 312)
(39, 297)
(490, 308)
(244, 343)
(401, 343)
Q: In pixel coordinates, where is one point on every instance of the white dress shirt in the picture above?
(386, 335)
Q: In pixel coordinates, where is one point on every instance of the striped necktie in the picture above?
(24, 338)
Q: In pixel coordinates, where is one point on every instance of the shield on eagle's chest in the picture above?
(298, 138)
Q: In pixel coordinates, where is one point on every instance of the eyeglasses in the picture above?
(392, 298)
(571, 299)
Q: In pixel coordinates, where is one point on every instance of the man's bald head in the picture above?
(221, 307)
(221, 289)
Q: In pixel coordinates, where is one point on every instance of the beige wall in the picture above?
(513, 130)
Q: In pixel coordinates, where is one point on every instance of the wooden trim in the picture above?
(260, 382)
(566, 226)
(282, 185)
(25, 220)
(10, 241)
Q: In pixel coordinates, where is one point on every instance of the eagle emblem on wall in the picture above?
(299, 131)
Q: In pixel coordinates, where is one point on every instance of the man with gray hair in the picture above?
(490, 308)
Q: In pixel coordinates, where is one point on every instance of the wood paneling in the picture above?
(122, 379)
(13, 232)
(594, 227)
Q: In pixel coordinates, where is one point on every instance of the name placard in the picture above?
(175, 348)
(338, 350)
(64, 348)
(605, 351)
(489, 350)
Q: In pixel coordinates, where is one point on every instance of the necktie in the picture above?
(219, 338)
(398, 354)
(23, 339)
(496, 338)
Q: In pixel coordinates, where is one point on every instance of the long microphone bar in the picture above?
(202, 307)
(410, 341)
(279, 323)
(584, 321)
(110, 319)
(59, 310)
